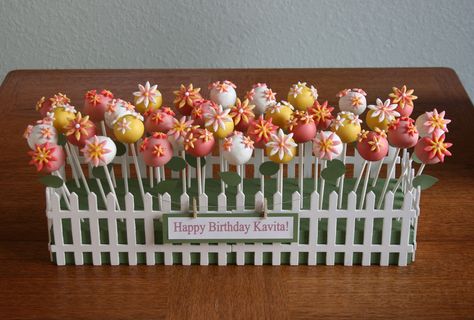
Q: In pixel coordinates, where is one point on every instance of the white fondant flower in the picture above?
(384, 110)
(217, 117)
(147, 94)
(123, 125)
(297, 88)
(314, 92)
(282, 144)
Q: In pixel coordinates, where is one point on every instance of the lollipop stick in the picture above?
(66, 200)
(204, 178)
(359, 178)
(111, 186)
(183, 173)
(125, 169)
(377, 173)
(137, 169)
(76, 162)
(341, 179)
(198, 173)
(321, 193)
(221, 164)
(150, 176)
(101, 190)
(73, 166)
(104, 133)
(420, 169)
(262, 177)
(281, 179)
(239, 172)
(300, 169)
(387, 180)
(157, 174)
(163, 174)
(316, 165)
(364, 188)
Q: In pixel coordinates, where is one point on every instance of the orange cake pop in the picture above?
(79, 130)
(403, 98)
(260, 131)
(242, 114)
(322, 114)
(156, 150)
(185, 98)
(47, 157)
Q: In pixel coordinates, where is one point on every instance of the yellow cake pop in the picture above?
(148, 98)
(381, 114)
(301, 96)
(347, 126)
(129, 128)
(61, 116)
(281, 148)
(219, 122)
(280, 113)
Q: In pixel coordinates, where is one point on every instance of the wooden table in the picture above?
(438, 285)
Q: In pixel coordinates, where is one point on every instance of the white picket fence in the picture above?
(153, 252)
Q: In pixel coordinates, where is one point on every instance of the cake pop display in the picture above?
(147, 98)
(61, 115)
(128, 129)
(223, 93)
(372, 146)
(41, 133)
(261, 96)
(160, 120)
(44, 106)
(352, 100)
(322, 114)
(301, 96)
(242, 114)
(95, 104)
(281, 149)
(200, 108)
(280, 113)
(99, 151)
(199, 142)
(403, 98)
(304, 129)
(432, 122)
(260, 131)
(219, 122)
(156, 151)
(185, 98)
(381, 114)
(347, 127)
(326, 146)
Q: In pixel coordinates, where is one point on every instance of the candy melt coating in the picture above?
(301, 97)
(354, 102)
(159, 121)
(223, 93)
(156, 150)
(372, 146)
(47, 157)
(237, 149)
(147, 98)
(62, 117)
(281, 148)
(347, 127)
(42, 133)
(280, 114)
(199, 142)
(95, 105)
(327, 145)
(99, 151)
(128, 129)
(402, 133)
(262, 97)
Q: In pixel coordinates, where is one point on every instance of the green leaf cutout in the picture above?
(176, 164)
(230, 178)
(424, 181)
(334, 170)
(415, 158)
(61, 140)
(99, 172)
(192, 161)
(165, 186)
(269, 168)
(51, 181)
(121, 149)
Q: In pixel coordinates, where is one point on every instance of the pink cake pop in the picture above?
(156, 150)
(47, 157)
(432, 122)
(160, 120)
(404, 100)
(79, 130)
(44, 106)
(237, 149)
(302, 126)
(95, 104)
(199, 142)
(185, 98)
(260, 131)
(372, 145)
(201, 107)
(242, 114)
(431, 150)
(322, 114)
(402, 133)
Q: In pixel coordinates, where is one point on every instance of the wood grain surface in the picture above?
(438, 285)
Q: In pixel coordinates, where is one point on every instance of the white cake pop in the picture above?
(41, 133)
(432, 122)
(352, 100)
(262, 97)
(237, 149)
(117, 108)
(327, 145)
(223, 93)
(99, 151)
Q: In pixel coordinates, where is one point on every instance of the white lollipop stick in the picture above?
(204, 178)
(239, 172)
(101, 190)
(387, 180)
(364, 188)
(163, 174)
(78, 165)
(316, 165)
(420, 169)
(137, 169)
(198, 173)
(221, 164)
(341, 179)
(300, 170)
(377, 173)
(104, 133)
(359, 178)
(281, 179)
(125, 171)
(156, 174)
(262, 177)
(323, 182)
(73, 166)
(150, 176)
(111, 186)
(183, 173)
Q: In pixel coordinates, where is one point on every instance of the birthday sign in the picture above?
(282, 227)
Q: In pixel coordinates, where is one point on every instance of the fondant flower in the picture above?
(92, 97)
(59, 100)
(436, 122)
(216, 118)
(270, 95)
(314, 92)
(186, 96)
(147, 94)
(281, 144)
(321, 112)
(123, 125)
(297, 88)
(39, 104)
(241, 111)
(94, 151)
(42, 155)
(158, 150)
(384, 110)
(78, 126)
(180, 128)
(276, 107)
(106, 93)
(248, 142)
(437, 147)
(326, 147)
(222, 86)
(263, 129)
(227, 145)
(299, 117)
(403, 96)
(27, 131)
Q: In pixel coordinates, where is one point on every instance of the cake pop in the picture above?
(432, 122)
(403, 98)
(200, 108)
(129, 128)
(242, 114)
(238, 149)
(178, 131)
(95, 104)
(402, 133)
(322, 114)
(281, 148)
(352, 100)
(199, 142)
(47, 157)
(219, 122)
(156, 150)
(61, 116)
(260, 131)
(347, 126)
(185, 98)
(381, 114)
(223, 93)
(301, 96)
(117, 108)
(44, 106)
(160, 120)
(432, 150)
(280, 113)
(41, 133)
(79, 130)
(302, 126)
(147, 98)
(372, 146)
(261, 96)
